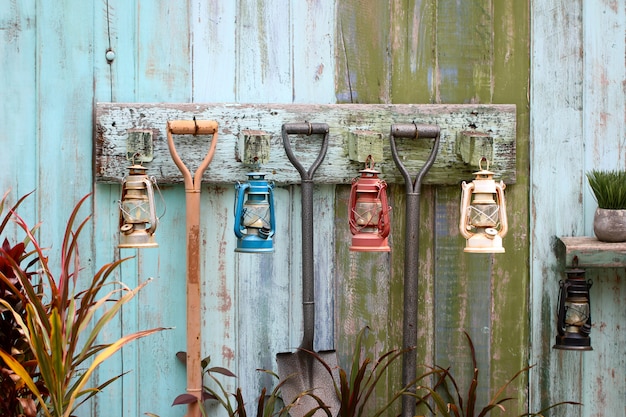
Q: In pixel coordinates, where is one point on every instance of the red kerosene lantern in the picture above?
(369, 211)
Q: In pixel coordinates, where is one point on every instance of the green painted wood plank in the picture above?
(448, 51)
(510, 279)
(113, 121)
(413, 45)
(463, 61)
(362, 64)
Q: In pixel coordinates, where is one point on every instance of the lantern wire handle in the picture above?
(369, 162)
(480, 164)
(154, 182)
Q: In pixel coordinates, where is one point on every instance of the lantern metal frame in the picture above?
(484, 236)
(251, 239)
(574, 314)
(138, 190)
(370, 236)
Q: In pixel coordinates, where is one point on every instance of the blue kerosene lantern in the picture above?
(254, 218)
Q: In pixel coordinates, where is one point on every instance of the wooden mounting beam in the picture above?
(467, 131)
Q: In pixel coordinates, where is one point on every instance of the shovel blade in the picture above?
(301, 372)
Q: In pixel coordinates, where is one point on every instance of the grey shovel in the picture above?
(306, 371)
(411, 253)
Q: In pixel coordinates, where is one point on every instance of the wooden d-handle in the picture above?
(191, 127)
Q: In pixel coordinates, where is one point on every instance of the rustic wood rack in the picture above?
(468, 132)
(589, 252)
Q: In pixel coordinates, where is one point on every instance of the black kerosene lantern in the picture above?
(574, 322)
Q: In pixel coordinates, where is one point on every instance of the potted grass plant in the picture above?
(609, 189)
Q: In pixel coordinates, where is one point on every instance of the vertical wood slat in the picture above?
(555, 27)
(162, 72)
(105, 220)
(510, 276)
(413, 79)
(413, 51)
(62, 128)
(264, 66)
(362, 64)
(148, 65)
(604, 107)
(19, 166)
(312, 52)
(604, 101)
(464, 65)
(214, 36)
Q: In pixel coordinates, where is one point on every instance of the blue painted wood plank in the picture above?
(604, 102)
(220, 297)
(575, 109)
(602, 371)
(264, 61)
(18, 79)
(555, 111)
(214, 37)
(313, 52)
(151, 65)
(63, 46)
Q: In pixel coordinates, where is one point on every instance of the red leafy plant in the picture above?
(358, 383)
(61, 322)
(449, 400)
(16, 399)
(268, 404)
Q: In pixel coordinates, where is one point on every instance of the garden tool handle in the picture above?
(305, 129)
(308, 272)
(192, 127)
(414, 131)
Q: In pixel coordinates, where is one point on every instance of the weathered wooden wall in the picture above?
(318, 52)
(444, 52)
(346, 51)
(578, 111)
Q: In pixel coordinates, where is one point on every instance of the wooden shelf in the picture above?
(592, 253)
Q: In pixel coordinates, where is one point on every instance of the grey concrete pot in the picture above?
(610, 225)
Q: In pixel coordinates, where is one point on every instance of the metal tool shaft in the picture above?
(411, 254)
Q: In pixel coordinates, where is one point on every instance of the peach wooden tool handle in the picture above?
(191, 127)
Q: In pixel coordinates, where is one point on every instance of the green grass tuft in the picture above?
(609, 188)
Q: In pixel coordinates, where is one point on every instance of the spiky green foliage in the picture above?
(16, 400)
(268, 404)
(609, 188)
(356, 387)
(449, 401)
(62, 327)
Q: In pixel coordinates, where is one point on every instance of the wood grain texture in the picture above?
(114, 120)
(18, 34)
(453, 52)
(589, 252)
(352, 51)
(577, 106)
